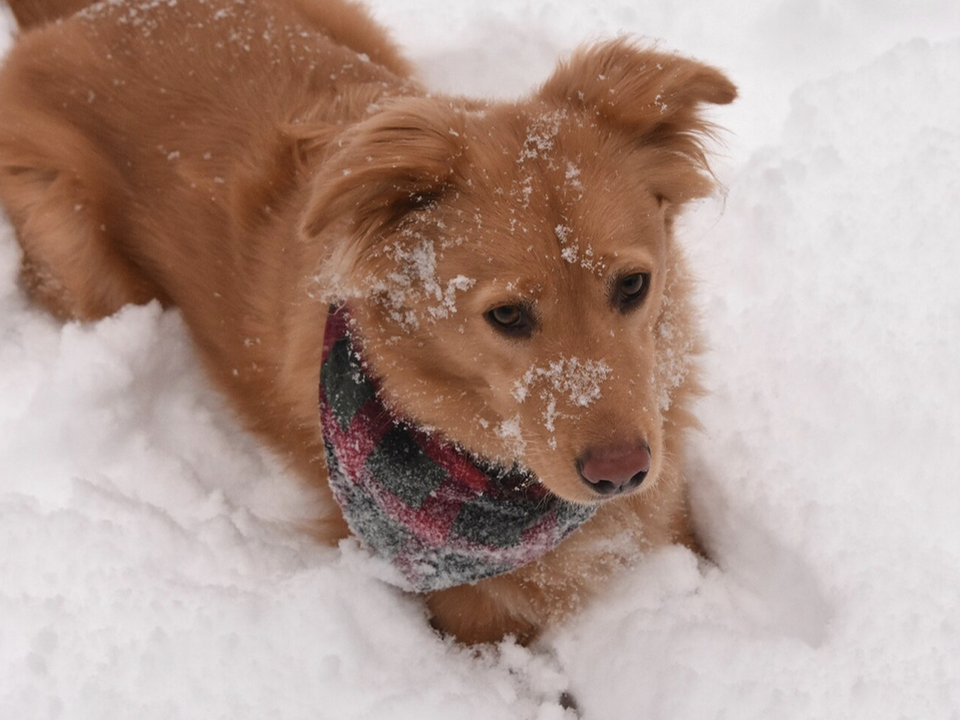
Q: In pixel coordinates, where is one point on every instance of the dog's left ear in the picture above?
(397, 161)
(656, 99)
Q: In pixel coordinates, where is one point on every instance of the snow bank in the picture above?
(149, 561)
(826, 482)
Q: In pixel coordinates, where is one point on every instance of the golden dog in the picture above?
(511, 267)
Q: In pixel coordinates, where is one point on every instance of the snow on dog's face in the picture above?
(510, 267)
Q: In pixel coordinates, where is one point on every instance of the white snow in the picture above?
(149, 566)
(578, 381)
(416, 280)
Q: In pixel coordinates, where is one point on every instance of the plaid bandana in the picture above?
(439, 516)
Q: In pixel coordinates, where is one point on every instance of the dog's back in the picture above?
(29, 13)
(344, 22)
(181, 104)
(159, 153)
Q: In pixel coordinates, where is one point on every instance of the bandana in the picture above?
(438, 515)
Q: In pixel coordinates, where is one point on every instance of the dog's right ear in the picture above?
(401, 159)
(652, 97)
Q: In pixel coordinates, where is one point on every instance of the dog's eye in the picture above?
(512, 320)
(631, 289)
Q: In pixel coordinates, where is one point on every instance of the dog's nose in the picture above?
(615, 470)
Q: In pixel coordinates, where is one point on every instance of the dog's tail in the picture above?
(31, 13)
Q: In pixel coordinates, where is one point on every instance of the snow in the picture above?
(578, 380)
(416, 279)
(150, 564)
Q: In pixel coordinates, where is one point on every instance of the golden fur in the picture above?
(248, 163)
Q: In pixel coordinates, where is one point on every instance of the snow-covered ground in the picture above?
(147, 564)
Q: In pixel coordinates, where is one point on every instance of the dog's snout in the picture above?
(615, 470)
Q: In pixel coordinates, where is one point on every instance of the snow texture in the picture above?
(150, 566)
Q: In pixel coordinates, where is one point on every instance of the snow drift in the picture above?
(150, 563)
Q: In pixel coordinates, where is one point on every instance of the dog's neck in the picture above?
(440, 517)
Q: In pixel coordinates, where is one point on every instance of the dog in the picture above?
(510, 268)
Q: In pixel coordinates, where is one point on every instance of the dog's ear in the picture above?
(399, 160)
(656, 99)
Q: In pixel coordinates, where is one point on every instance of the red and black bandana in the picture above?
(439, 516)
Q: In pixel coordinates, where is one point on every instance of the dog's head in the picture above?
(511, 267)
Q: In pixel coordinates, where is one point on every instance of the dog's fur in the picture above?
(249, 162)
